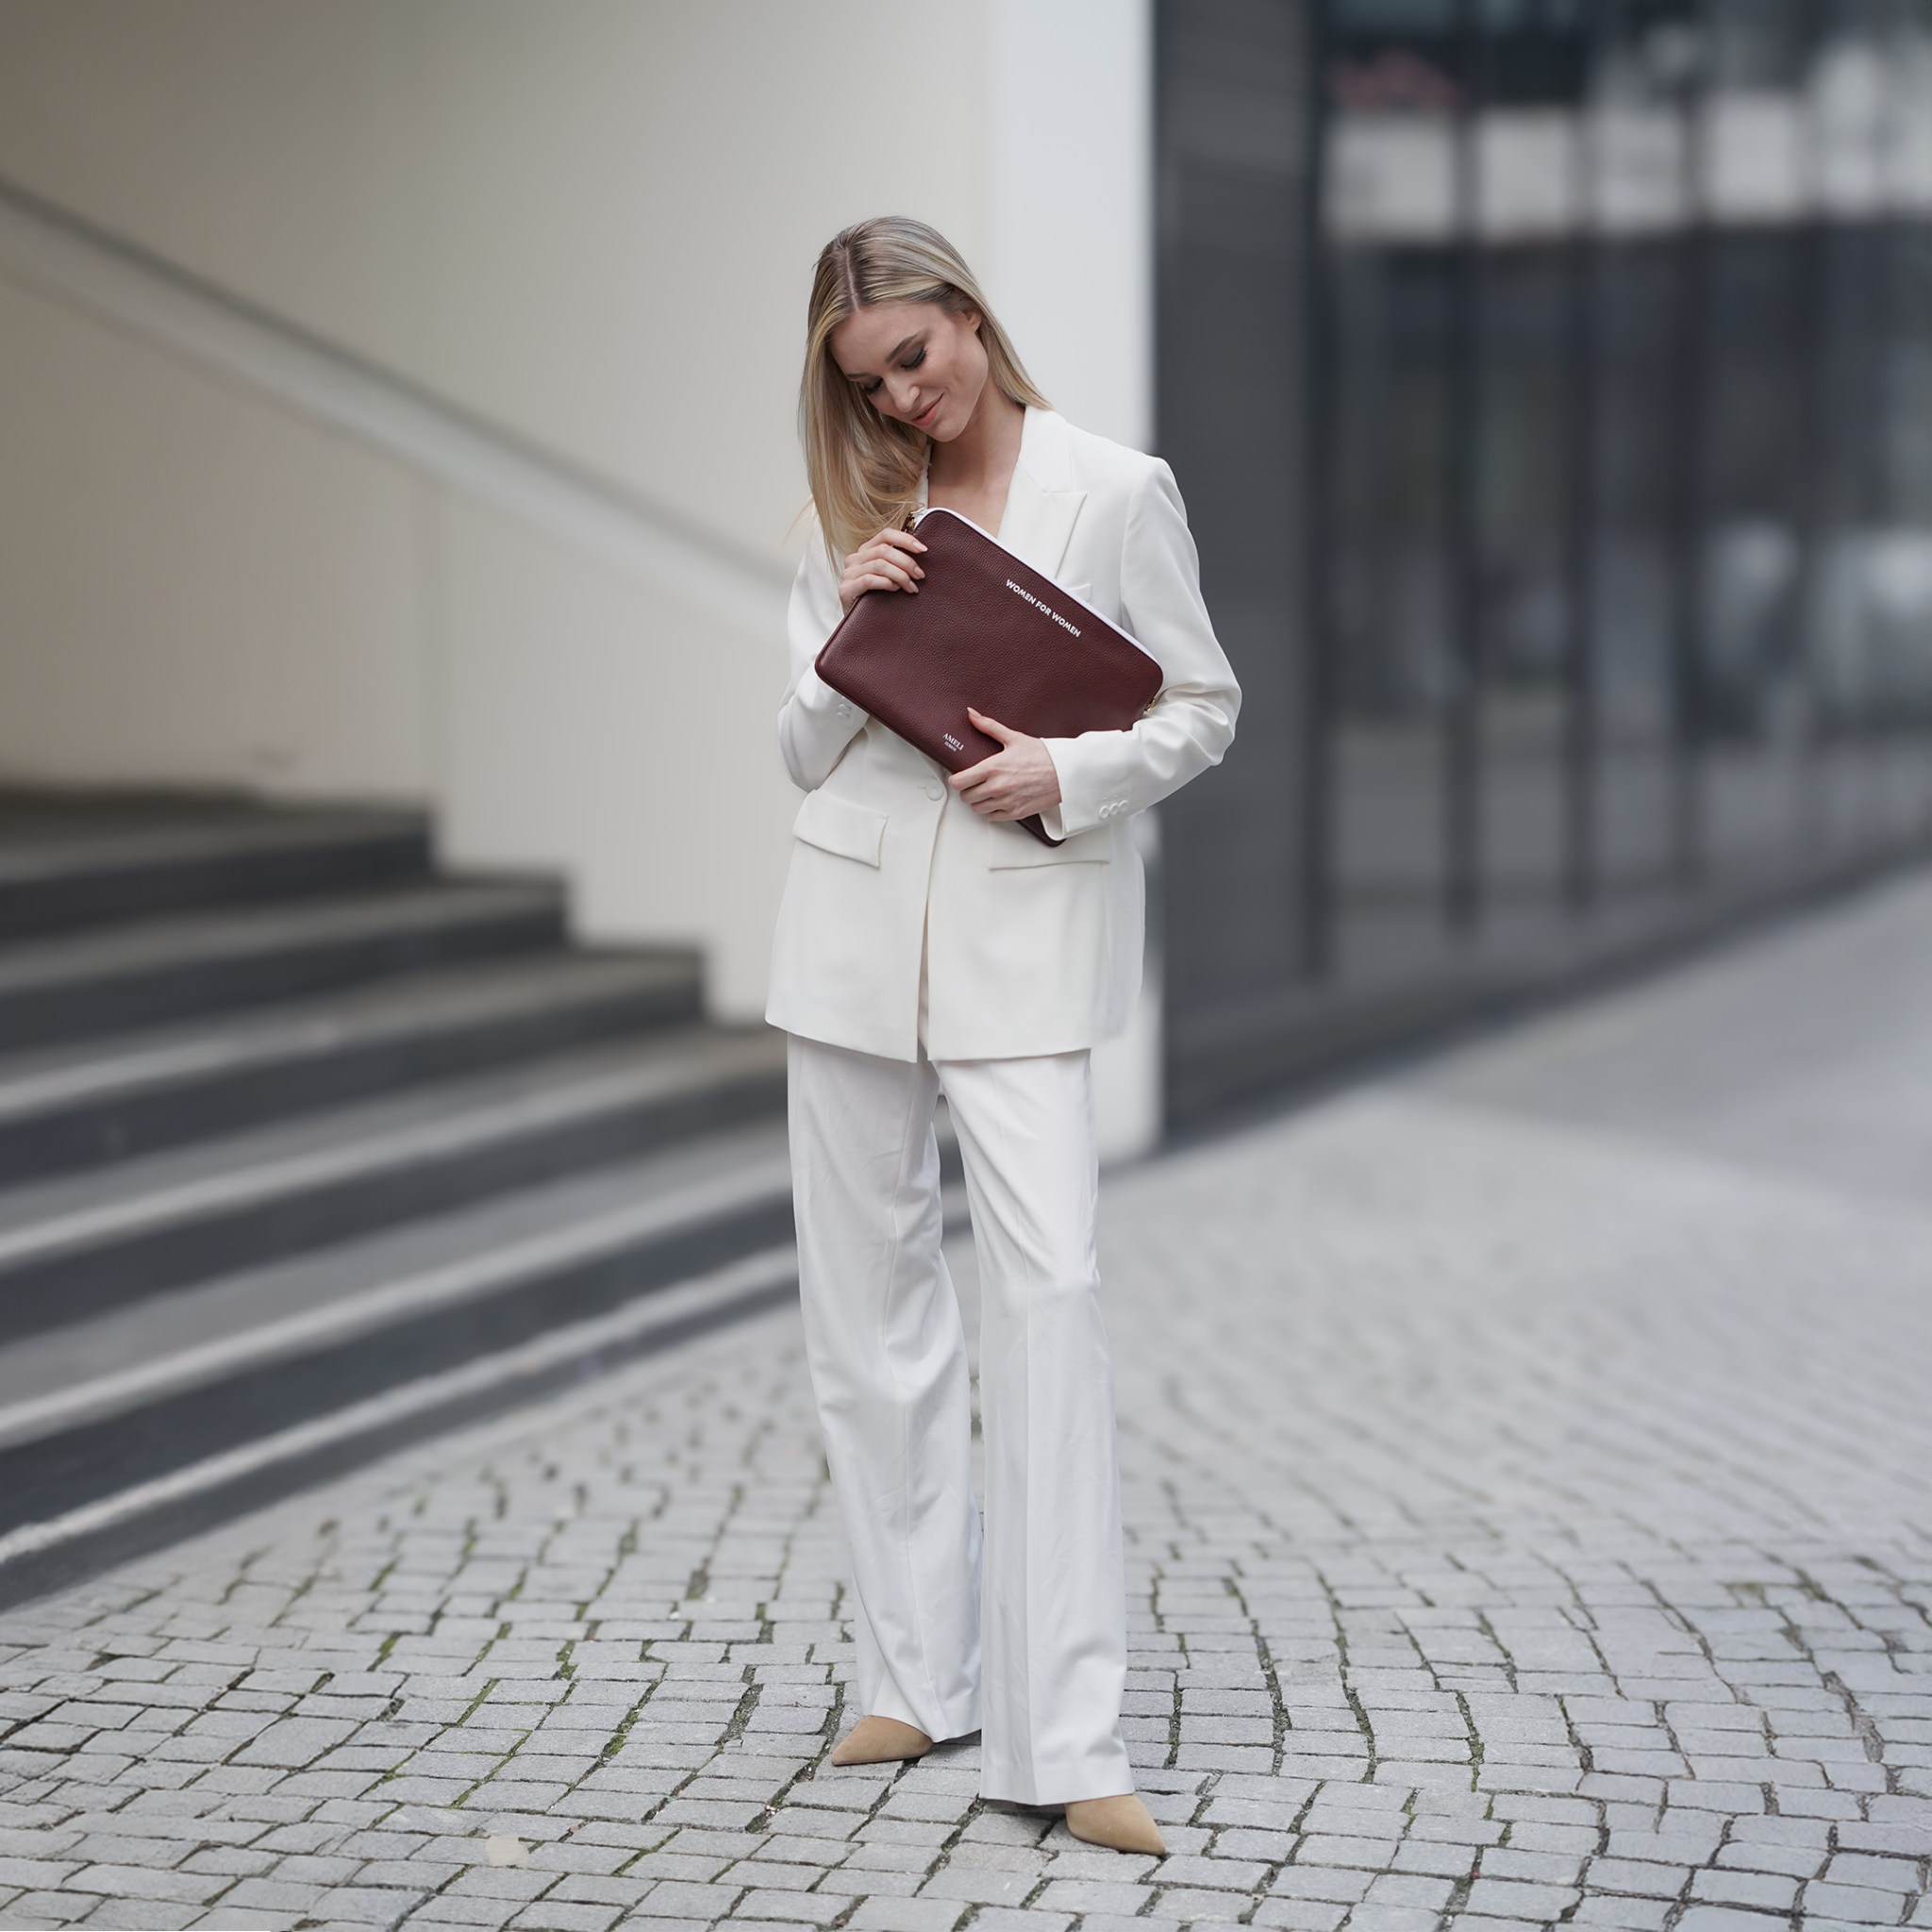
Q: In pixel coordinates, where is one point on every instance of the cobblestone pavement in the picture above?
(1531, 1523)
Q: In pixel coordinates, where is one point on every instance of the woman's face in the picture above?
(917, 362)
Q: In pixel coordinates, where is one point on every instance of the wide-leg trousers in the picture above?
(1019, 1634)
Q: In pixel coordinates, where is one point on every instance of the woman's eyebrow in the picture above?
(865, 375)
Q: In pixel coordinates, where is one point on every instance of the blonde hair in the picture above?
(864, 468)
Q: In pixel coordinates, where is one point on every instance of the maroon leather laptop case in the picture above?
(989, 631)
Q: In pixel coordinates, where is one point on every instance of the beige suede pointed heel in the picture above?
(880, 1740)
(1121, 1824)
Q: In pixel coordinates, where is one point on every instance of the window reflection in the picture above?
(1576, 556)
(1629, 315)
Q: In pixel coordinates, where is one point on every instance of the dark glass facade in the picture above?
(1551, 386)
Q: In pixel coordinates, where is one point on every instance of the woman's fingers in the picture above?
(879, 565)
(877, 573)
(1016, 781)
(998, 794)
(894, 544)
(887, 562)
(988, 798)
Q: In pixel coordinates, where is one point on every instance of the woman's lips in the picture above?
(924, 419)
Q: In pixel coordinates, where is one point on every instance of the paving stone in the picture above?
(1508, 1898)
(1481, 1424)
(1723, 1919)
(32, 1873)
(1624, 1914)
(1410, 1891)
(1636, 1877)
(34, 1911)
(1096, 1895)
(791, 1907)
(443, 1911)
(293, 1741)
(674, 1899)
(1372, 1854)
(1770, 1892)
(1542, 1868)
(148, 1882)
(979, 1885)
(996, 1920)
(1328, 1884)
(1793, 1860)
(1299, 1915)
(1857, 1904)
(1886, 1873)
(556, 1915)
(1370, 1917)
(138, 1914)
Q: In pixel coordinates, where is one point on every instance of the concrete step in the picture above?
(88, 1103)
(306, 1151)
(142, 1391)
(123, 978)
(74, 1247)
(68, 863)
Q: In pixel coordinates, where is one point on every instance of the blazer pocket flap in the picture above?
(1008, 848)
(837, 825)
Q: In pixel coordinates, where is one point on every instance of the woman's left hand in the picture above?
(1015, 782)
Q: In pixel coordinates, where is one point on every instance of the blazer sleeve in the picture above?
(1106, 774)
(815, 723)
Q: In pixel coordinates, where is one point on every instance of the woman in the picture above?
(927, 944)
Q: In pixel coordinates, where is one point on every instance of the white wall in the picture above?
(194, 587)
(586, 726)
(592, 225)
(199, 586)
(1069, 266)
(1070, 260)
(594, 222)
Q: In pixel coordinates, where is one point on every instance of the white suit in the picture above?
(1033, 949)
(923, 949)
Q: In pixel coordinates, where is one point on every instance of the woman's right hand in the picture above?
(885, 563)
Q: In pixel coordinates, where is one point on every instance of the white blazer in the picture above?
(1024, 949)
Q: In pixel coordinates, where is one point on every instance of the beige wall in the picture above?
(587, 726)
(200, 587)
(590, 225)
(196, 587)
(591, 222)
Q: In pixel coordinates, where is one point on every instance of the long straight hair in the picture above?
(864, 468)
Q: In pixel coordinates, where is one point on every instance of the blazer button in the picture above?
(935, 793)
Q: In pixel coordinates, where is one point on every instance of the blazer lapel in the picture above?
(1042, 504)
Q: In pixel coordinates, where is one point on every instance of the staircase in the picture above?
(307, 1150)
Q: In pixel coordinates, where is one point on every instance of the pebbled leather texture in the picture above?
(989, 631)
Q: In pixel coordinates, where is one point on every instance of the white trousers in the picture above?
(1021, 1635)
